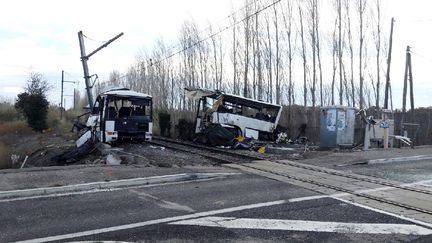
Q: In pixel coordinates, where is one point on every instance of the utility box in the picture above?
(337, 126)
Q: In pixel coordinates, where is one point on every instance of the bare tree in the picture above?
(303, 57)
(268, 60)
(277, 56)
(377, 37)
(288, 18)
(339, 6)
(189, 37)
(312, 32)
(334, 46)
(258, 68)
(318, 49)
(247, 36)
(361, 6)
(351, 50)
(215, 64)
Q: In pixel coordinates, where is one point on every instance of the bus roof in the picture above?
(236, 99)
(123, 92)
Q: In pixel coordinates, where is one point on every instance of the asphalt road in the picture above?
(407, 170)
(242, 208)
(404, 165)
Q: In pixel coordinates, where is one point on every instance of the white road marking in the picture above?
(162, 203)
(310, 226)
(198, 215)
(226, 210)
(301, 199)
(385, 212)
(157, 221)
(96, 190)
(101, 190)
(400, 159)
(385, 188)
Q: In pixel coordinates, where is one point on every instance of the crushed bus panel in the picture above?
(243, 116)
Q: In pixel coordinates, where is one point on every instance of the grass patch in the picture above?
(8, 112)
(14, 127)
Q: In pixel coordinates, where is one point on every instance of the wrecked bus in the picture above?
(246, 117)
(120, 113)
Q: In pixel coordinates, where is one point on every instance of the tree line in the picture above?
(310, 53)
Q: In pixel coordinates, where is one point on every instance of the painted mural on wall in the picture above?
(331, 120)
(341, 124)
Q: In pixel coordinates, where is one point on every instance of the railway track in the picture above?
(217, 154)
(357, 185)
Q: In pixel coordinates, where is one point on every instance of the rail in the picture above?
(226, 156)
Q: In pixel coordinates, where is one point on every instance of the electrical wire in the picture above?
(421, 56)
(73, 78)
(93, 39)
(216, 33)
(211, 26)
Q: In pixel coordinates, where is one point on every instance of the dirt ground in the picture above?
(40, 148)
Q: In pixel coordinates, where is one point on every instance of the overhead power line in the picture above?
(421, 56)
(216, 33)
(212, 25)
(93, 39)
(73, 78)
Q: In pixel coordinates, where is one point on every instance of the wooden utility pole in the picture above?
(408, 77)
(61, 97)
(85, 58)
(387, 85)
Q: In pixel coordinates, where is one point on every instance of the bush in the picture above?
(34, 107)
(186, 129)
(33, 103)
(164, 123)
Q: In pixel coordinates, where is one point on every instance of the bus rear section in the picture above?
(128, 117)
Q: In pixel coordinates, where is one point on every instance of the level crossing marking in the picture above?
(309, 226)
(226, 210)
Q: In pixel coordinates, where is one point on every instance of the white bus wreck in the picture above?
(121, 114)
(246, 117)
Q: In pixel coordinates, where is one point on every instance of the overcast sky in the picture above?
(41, 36)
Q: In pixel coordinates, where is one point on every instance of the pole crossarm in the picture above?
(103, 46)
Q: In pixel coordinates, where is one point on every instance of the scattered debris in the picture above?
(74, 154)
(113, 160)
(282, 138)
(157, 147)
(24, 162)
(403, 139)
(215, 135)
(15, 159)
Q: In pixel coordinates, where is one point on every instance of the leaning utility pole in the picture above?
(387, 85)
(85, 58)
